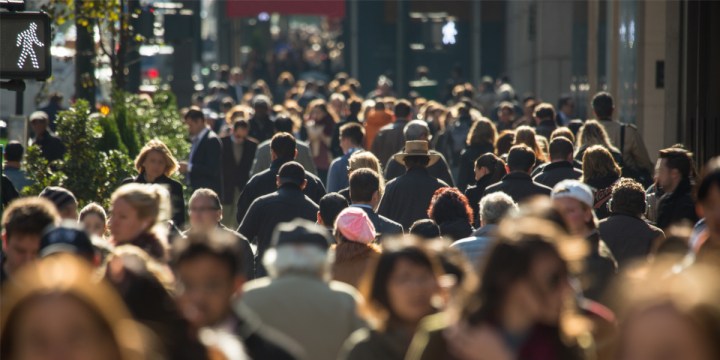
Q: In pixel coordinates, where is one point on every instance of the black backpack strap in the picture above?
(622, 138)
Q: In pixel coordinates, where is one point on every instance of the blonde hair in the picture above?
(366, 160)
(482, 131)
(598, 162)
(593, 133)
(149, 201)
(526, 135)
(171, 164)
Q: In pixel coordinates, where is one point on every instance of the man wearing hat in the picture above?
(286, 204)
(407, 197)
(64, 201)
(574, 201)
(52, 147)
(297, 298)
(419, 130)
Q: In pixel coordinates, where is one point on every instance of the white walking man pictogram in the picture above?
(28, 39)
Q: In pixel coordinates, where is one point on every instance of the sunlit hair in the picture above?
(593, 133)
(238, 112)
(151, 202)
(690, 292)
(597, 162)
(526, 135)
(302, 259)
(564, 132)
(449, 204)
(136, 258)
(93, 209)
(504, 142)
(171, 164)
(67, 276)
(322, 106)
(366, 160)
(482, 132)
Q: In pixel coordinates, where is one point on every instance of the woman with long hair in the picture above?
(320, 120)
(57, 308)
(593, 133)
(526, 135)
(139, 217)
(516, 311)
(450, 209)
(155, 164)
(600, 172)
(399, 290)
(480, 140)
(489, 169)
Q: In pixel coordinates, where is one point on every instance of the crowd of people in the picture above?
(324, 224)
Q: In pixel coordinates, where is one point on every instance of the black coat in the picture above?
(236, 174)
(9, 193)
(264, 183)
(628, 237)
(383, 225)
(51, 146)
(676, 206)
(475, 193)
(177, 199)
(248, 257)
(466, 172)
(538, 169)
(440, 169)
(261, 128)
(519, 186)
(555, 172)
(407, 198)
(601, 267)
(265, 213)
(207, 164)
(545, 128)
(456, 229)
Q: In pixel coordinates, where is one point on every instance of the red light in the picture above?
(153, 73)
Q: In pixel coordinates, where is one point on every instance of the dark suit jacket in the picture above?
(519, 186)
(389, 140)
(407, 198)
(555, 172)
(236, 175)
(440, 169)
(177, 198)
(207, 164)
(265, 213)
(264, 183)
(383, 225)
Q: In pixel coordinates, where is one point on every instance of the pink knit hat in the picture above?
(354, 224)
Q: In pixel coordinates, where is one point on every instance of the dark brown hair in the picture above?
(29, 216)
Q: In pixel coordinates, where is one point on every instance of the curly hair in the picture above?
(449, 204)
(628, 197)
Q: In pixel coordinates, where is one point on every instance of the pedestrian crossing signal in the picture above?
(26, 45)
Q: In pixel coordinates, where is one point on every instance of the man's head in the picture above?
(603, 106)
(261, 105)
(494, 207)
(241, 127)
(561, 149)
(24, 222)
(416, 130)
(521, 158)
(299, 246)
(205, 209)
(566, 104)
(14, 152)
(39, 121)
(330, 206)
(674, 165)
(628, 197)
(283, 146)
(544, 111)
(283, 124)
(365, 187)
(291, 174)
(425, 229)
(64, 201)
(574, 201)
(209, 272)
(354, 105)
(403, 109)
(563, 132)
(351, 136)
(194, 120)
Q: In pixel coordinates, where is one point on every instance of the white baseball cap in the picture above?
(573, 189)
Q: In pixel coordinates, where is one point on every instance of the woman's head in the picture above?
(61, 310)
(490, 165)
(504, 142)
(353, 225)
(155, 159)
(523, 273)
(593, 133)
(137, 209)
(669, 315)
(448, 204)
(598, 162)
(93, 217)
(526, 135)
(400, 287)
(482, 132)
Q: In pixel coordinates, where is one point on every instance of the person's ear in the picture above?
(238, 286)
(304, 184)
(277, 181)
(295, 154)
(698, 209)
(4, 239)
(319, 219)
